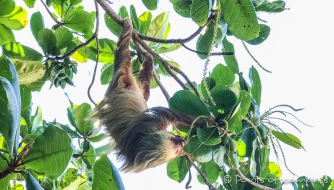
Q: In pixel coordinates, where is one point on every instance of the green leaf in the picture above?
(36, 24)
(6, 7)
(245, 102)
(241, 18)
(112, 25)
(211, 171)
(80, 21)
(182, 4)
(151, 4)
(218, 154)
(199, 151)
(47, 41)
(107, 71)
(6, 34)
(275, 169)
(144, 22)
(31, 183)
(199, 11)
(9, 115)
(230, 60)
(165, 48)
(158, 26)
(234, 124)
(6, 181)
(204, 42)
(12, 107)
(88, 157)
(29, 71)
(104, 149)
(64, 36)
(69, 176)
(53, 146)
(26, 103)
(225, 99)
(134, 17)
(271, 7)
(30, 3)
(107, 49)
(189, 103)
(177, 169)
(75, 2)
(106, 175)
(222, 75)
(22, 52)
(210, 82)
(256, 87)
(208, 136)
(123, 13)
(36, 119)
(305, 183)
(264, 33)
(16, 20)
(80, 115)
(98, 138)
(182, 12)
(288, 139)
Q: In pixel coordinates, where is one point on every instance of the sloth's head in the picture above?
(154, 149)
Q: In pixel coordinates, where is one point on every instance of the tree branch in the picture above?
(51, 15)
(97, 52)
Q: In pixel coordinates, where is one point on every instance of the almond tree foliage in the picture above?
(41, 152)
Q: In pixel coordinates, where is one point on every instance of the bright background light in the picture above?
(298, 51)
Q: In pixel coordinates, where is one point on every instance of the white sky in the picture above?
(298, 52)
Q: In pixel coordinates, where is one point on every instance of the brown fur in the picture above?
(141, 139)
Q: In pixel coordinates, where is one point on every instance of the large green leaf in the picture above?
(208, 136)
(107, 48)
(165, 48)
(106, 175)
(288, 138)
(245, 102)
(6, 7)
(16, 20)
(112, 25)
(199, 11)
(189, 103)
(151, 4)
(218, 154)
(177, 169)
(159, 28)
(30, 3)
(29, 71)
(88, 157)
(13, 105)
(80, 21)
(53, 146)
(47, 41)
(210, 83)
(36, 24)
(6, 34)
(241, 18)
(210, 170)
(256, 87)
(271, 7)
(263, 35)
(80, 115)
(222, 75)
(199, 151)
(144, 22)
(204, 42)
(134, 17)
(107, 71)
(17, 51)
(64, 36)
(9, 115)
(230, 60)
(225, 99)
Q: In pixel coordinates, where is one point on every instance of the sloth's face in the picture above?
(172, 147)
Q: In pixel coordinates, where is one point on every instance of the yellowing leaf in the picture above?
(16, 20)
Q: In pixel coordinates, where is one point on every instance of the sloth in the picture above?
(140, 135)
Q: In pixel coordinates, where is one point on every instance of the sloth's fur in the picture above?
(139, 133)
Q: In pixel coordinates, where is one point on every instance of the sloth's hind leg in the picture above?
(145, 76)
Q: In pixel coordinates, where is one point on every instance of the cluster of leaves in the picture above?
(59, 156)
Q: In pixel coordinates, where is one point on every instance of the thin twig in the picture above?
(206, 53)
(51, 15)
(97, 53)
(161, 86)
(256, 61)
(211, 187)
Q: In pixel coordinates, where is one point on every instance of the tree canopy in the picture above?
(54, 155)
